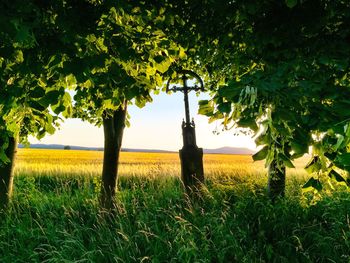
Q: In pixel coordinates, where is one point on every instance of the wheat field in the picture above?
(80, 162)
(225, 169)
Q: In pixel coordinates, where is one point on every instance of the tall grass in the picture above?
(54, 216)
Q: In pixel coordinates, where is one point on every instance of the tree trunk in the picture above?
(6, 174)
(277, 180)
(113, 131)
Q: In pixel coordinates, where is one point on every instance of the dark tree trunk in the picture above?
(113, 131)
(277, 180)
(6, 174)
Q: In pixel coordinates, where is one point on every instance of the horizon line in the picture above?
(20, 145)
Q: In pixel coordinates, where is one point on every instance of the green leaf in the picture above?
(49, 128)
(18, 56)
(40, 134)
(71, 82)
(159, 58)
(312, 184)
(262, 139)
(225, 107)
(299, 148)
(3, 158)
(36, 105)
(50, 97)
(13, 127)
(336, 176)
(163, 66)
(67, 102)
(37, 92)
(248, 123)
(132, 93)
(87, 84)
(182, 53)
(296, 156)
(231, 91)
(291, 3)
(314, 165)
(58, 108)
(24, 35)
(261, 155)
(203, 102)
(205, 108)
(151, 70)
(331, 156)
(343, 160)
(286, 161)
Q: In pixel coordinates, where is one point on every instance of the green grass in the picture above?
(55, 218)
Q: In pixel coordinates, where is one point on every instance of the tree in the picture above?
(277, 68)
(119, 59)
(30, 83)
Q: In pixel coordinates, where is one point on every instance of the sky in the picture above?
(155, 126)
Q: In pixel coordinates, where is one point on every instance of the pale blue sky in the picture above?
(156, 126)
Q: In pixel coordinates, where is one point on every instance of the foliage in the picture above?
(121, 57)
(32, 89)
(279, 69)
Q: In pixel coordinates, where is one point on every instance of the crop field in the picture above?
(232, 171)
(54, 215)
(218, 167)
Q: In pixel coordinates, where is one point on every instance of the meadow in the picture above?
(54, 215)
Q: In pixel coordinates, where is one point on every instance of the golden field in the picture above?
(218, 167)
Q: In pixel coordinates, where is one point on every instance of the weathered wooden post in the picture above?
(191, 156)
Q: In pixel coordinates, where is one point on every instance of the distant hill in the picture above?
(222, 150)
(60, 147)
(230, 150)
(84, 148)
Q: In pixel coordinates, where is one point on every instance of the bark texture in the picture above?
(277, 180)
(113, 131)
(6, 174)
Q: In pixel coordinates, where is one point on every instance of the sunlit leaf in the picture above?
(336, 176)
(312, 184)
(261, 155)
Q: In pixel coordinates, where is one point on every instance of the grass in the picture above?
(54, 216)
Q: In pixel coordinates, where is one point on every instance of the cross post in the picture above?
(191, 156)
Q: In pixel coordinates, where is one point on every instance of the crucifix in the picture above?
(190, 155)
